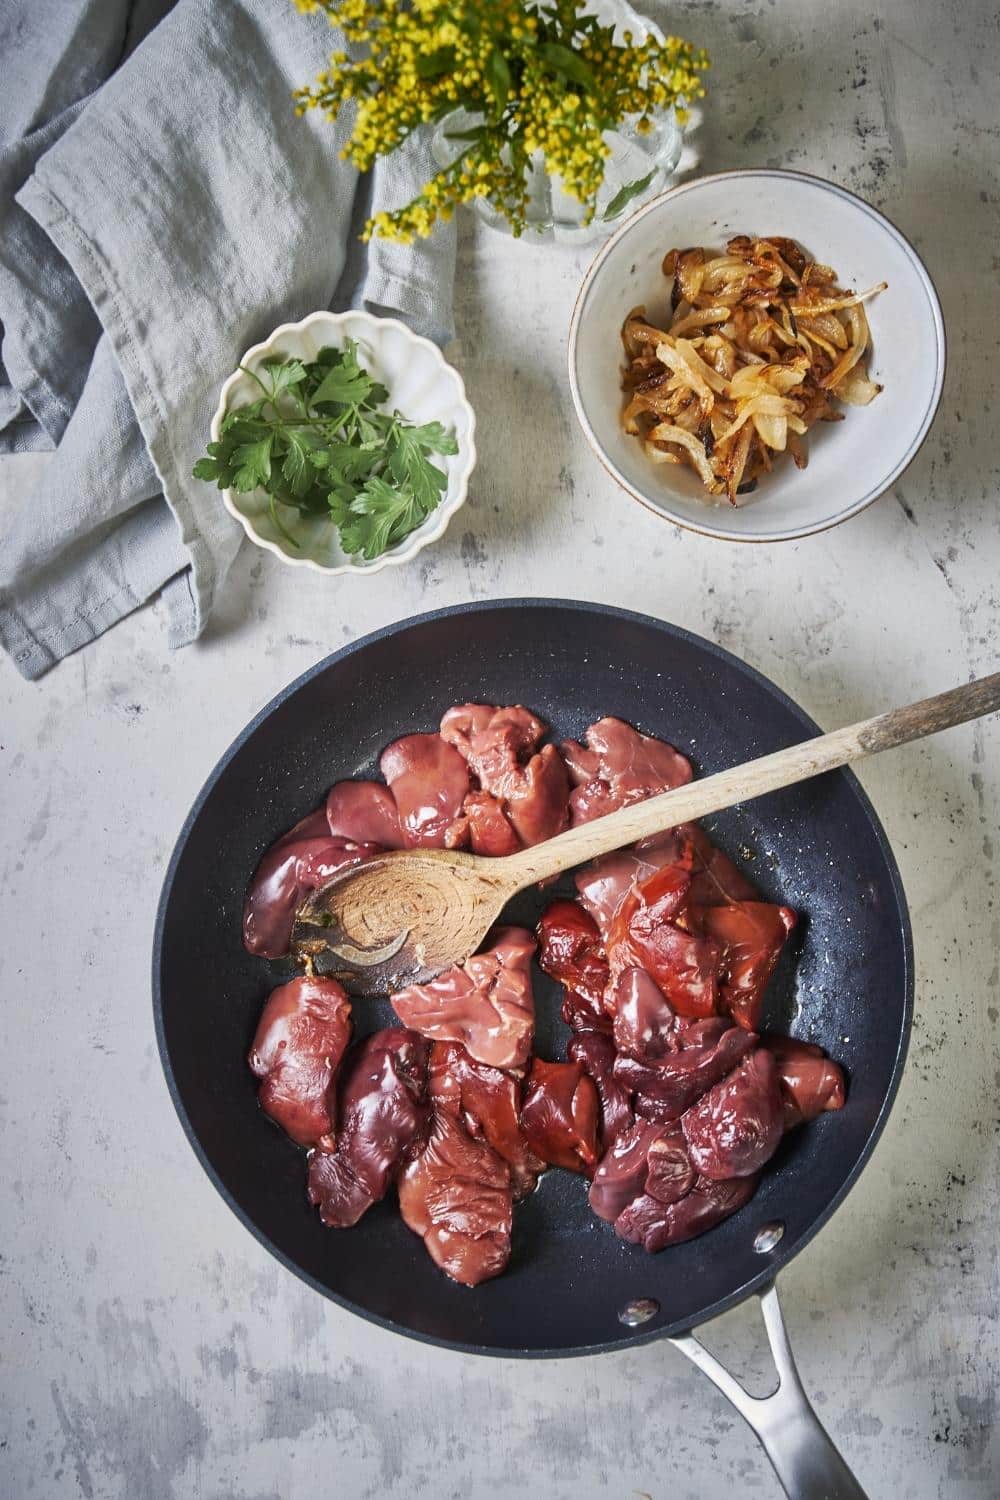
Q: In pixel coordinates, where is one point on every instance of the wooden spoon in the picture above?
(403, 916)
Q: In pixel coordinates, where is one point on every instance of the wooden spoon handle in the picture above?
(742, 783)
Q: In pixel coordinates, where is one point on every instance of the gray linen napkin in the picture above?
(161, 208)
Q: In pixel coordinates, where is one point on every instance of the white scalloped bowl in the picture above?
(421, 384)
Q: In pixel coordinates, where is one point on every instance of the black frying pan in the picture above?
(572, 1287)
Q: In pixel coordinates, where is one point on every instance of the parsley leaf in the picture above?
(380, 517)
(348, 463)
(214, 469)
(343, 387)
(299, 467)
(284, 373)
(253, 464)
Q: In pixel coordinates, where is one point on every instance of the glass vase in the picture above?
(636, 168)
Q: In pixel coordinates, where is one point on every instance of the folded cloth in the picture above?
(161, 209)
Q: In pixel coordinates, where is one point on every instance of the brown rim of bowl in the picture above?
(932, 407)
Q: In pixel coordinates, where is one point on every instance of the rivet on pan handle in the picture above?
(794, 1439)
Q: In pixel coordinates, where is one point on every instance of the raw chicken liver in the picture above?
(618, 766)
(570, 951)
(810, 1082)
(486, 1003)
(301, 1037)
(456, 1195)
(383, 1119)
(670, 1100)
(596, 1051)
(704, 1052)
(735, 1128)
(527, 787)
(560, 1115)
(429, 782)
(488, 1100)
(299, 862)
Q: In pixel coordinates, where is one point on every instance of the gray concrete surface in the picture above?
(151, 1349)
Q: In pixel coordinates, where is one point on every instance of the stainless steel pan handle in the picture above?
(794, 1439)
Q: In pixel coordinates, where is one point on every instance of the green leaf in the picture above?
(245, 422)
(375, 497)
(567, 64)
(298, 468)
(346, 462)
(497, 73)
(212, 470)
(409, 467)
(380, 517)
(433, 438)
(625, 194)
(342, 386)
(253, 464)
(428, 484)
(377, 394)
(341, 378)
(339, 503)
(284, 373)
(435, 64)
(371, 433)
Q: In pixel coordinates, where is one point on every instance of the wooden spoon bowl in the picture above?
(401, 917)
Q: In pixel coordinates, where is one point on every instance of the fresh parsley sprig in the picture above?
(317, 439)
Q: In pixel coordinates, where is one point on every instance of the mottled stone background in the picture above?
(151, 1349)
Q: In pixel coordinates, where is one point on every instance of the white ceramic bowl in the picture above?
(852, 462)
(421, 384)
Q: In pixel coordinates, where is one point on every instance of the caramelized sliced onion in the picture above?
(857, 389)
(761, 340)
(665, 432)
(859, 343)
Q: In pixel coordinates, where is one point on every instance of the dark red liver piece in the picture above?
(750, 936)
(715, 880)
(735, 1128)
(364, 811)
(654, 1225)
(383, 1119)
(301, 1037)
(299, 862)
(604, 884)
(560, 1115)
(487, 827)
(704, 1052)
(487, 1003)
(644, 1158)
(647, 933)
(596, 1051)
(811, 1083)
(529, 786)
(644, 1022)
(488, 1101)
(571, 951)
(618, 766)
(456, 1195)
(429, 782)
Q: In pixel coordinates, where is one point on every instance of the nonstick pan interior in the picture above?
(818, 847)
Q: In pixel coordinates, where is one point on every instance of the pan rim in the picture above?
(784, 1253)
